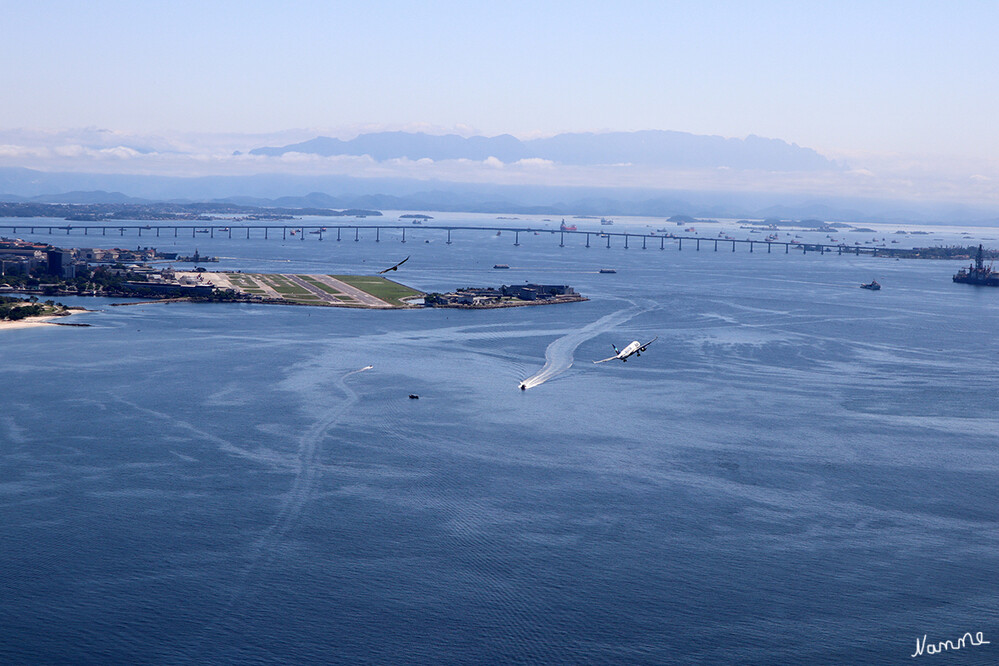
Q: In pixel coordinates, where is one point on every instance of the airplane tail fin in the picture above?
(616, 350)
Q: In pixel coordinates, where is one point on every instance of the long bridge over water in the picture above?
(340, 232)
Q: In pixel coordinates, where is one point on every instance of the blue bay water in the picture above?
(797, 471)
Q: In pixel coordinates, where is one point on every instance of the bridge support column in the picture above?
(768, 247)
(750, 247)
(697, 245)
(608, 240)
(404, 234)
(284, 233)
(644, 238)
(248, 233)
(378, 234)
(448, 237)
(561, 239)
(357, 234)
(716, 246)
(680, 244)
(266, 229)
(587, 240)
(193, 232)
(140, 231)
(516, 239)
(662, 243)
(211, 232)
(626, 241)
(338, 233)
(787, 248)
(733, 246)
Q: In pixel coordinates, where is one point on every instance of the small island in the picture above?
(504, 296)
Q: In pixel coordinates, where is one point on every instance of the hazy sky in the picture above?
(913, 77)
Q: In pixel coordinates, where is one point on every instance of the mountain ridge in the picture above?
(646, 147)
(281, 190)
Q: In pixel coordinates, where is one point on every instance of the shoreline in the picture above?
(43, 320)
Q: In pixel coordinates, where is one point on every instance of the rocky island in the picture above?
(504, 296)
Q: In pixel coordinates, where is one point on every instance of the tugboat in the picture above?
(978, 273)
(872, 285)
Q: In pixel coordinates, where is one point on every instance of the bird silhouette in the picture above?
(396, 267)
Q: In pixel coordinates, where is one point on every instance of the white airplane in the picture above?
(635, 348)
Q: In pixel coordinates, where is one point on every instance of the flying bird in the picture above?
(396, 267)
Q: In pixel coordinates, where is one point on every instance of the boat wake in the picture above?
(559, 354)
(306, 469)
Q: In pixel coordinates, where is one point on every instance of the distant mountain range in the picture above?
(400, 194)
(647, 148)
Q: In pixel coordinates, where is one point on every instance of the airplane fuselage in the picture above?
(634, 347)
(629, 350)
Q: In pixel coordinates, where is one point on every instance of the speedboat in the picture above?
(872, 285)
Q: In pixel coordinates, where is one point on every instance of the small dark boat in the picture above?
(607, 270)
(413, 396)
(500, 266)
(872, 285)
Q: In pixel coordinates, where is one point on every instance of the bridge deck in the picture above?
(327, 231)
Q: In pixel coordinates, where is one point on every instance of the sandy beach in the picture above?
(32, 322)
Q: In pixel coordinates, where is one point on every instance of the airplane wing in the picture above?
(604, 360)
(642, 348)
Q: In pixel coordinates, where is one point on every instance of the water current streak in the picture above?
(306, 470)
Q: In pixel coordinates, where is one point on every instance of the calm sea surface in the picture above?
(797, 471)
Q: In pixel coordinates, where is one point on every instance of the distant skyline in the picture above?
(901, 91)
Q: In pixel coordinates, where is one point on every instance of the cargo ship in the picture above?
(567, 227)
(978, 273)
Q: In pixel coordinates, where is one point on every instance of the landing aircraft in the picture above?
(635, 348)
(396, 267)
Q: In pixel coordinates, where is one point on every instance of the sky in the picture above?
(897, 86)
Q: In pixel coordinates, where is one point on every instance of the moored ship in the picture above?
(567, 227)
(978, 273)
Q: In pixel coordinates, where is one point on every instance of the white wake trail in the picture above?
(559, 354)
